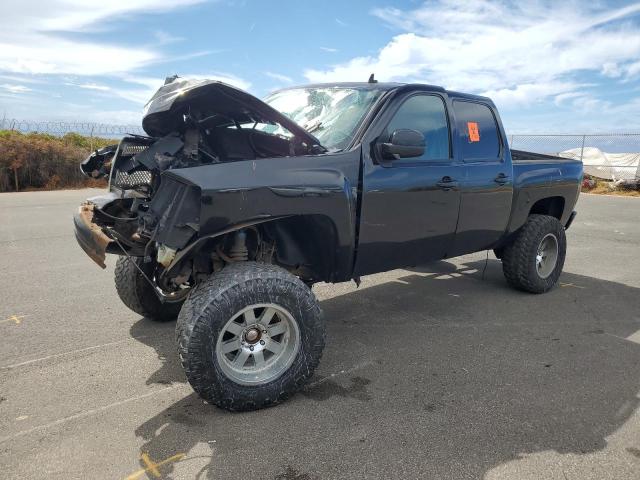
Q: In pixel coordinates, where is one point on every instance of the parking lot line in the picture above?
(152, 467)
(93, 411)
(70, 352)
(17, 319)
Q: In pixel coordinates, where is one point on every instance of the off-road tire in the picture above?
(209, 307)
(519, 257)
(136, 293)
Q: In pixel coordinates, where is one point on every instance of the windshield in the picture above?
(331, 114)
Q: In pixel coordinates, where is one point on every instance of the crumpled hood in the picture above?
(163, 114)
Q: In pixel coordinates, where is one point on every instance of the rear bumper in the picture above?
(90, 236)
(570, 221)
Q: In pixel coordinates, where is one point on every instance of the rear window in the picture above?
(477, 131)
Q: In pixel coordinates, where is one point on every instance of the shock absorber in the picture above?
(239, 252)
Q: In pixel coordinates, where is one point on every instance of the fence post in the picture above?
(511, 142)
(582, 148)
(91, 139)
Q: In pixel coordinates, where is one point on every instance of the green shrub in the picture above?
(40, 160)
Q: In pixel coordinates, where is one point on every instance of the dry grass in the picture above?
(38, 161)
(602, 188)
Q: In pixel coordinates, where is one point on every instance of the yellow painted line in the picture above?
(571, 285)
(151, 467)
(17, 319)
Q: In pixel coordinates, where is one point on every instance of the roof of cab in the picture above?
(385, 86)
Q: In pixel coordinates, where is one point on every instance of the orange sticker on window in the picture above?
(474, 133)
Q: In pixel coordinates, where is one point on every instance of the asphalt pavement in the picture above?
(437, 372)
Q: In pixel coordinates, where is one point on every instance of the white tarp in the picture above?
(609, 166)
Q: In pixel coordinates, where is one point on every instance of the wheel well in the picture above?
(553, 206)
(305, 245)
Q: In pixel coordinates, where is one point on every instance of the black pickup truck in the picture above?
(231, 208)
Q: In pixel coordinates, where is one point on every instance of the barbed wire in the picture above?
(91, 129)
(567, 145)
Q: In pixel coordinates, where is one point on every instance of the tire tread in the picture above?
(219, 290)
(516, 257)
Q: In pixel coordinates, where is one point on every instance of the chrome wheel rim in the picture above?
(547, 255)
(258, 344)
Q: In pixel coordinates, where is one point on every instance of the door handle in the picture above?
(501, 179)
(447, 183)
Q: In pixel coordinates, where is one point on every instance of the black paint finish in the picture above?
(367, 213)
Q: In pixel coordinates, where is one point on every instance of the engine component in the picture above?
(165, 255)
(239, 251)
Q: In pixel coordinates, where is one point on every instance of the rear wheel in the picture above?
(136, 293)
(533, 261)
(250, 336)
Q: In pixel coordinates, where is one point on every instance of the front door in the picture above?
(409, 205)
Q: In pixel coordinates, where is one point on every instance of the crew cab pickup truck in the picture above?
(231, 208)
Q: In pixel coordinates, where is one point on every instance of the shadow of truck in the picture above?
(457, 376)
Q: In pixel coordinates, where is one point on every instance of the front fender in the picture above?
(240, 194)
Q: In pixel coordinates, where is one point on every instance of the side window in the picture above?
(477, 131)
(426, 114)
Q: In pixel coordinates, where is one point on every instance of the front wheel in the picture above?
(139, 295)
(533, 261)
(249, 336)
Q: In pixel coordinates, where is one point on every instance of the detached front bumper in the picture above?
(90, 236)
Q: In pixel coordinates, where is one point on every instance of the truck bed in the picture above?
(522, 156)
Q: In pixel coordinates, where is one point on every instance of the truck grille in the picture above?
(125, 180)
(122, 179)
(132, 149)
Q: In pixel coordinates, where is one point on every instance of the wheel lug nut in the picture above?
(261, 342)
(251, 348)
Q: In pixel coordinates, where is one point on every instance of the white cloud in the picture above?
(164, 38)
(35, 44)
(89, 86)
(519, 53)
(279, 77)
(611, 69)
(221, 77)
(39, 49)
(78, 15)
(145, 87)
(563, 98)
(633, 69)
(528, 93)
(15, 88)
(329, 49)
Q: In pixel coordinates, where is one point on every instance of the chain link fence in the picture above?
(614, 156)
(89, 129)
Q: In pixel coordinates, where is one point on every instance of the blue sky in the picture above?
(550, 66)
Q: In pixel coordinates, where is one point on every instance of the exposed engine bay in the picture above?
(189, 124)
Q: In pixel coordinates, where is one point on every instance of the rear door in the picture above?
(409, 206)
(487, 181)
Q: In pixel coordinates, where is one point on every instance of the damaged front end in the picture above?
(89, 235)
(151, 213)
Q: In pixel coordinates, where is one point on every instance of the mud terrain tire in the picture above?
(206, 322)
(136, 293)
(523, 259)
